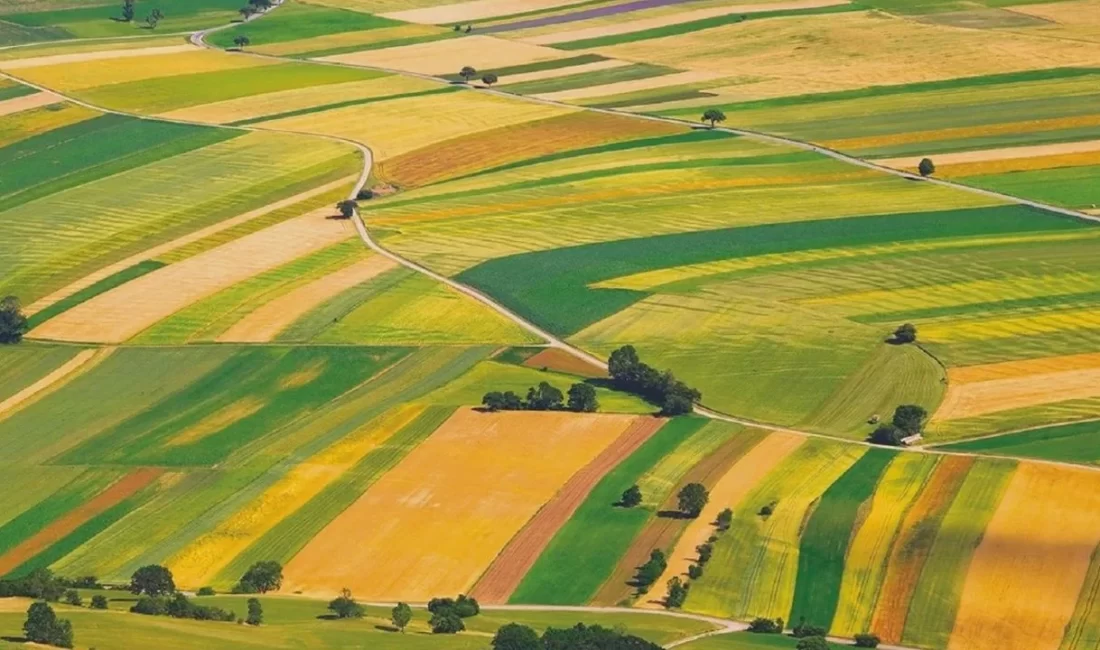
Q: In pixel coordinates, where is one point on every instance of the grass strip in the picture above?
(1074, 443)
(17, 90)
(344, 104)
(86, 294)
(699, 25)
(589, 79)
(537, 66)
(55, 506)
(380, 45)
(298, 21)
(660, 98)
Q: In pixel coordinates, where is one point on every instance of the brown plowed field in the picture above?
(662, 532)
(504, 574)
(561, 361)
(122, 489)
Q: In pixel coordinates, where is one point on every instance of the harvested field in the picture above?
(59, 528)
(1023, 368)
(102, 55)
(516, 559)
(448, 56)
(1054, 513)
(559, 360)
(474, 10)
(910, 549)
(27, 102)
(1003, 153)
(50, 381)
(661, 81)
(554, 73)
(727, 492)
(982, 397)
(451, 505)
(343, 42)
(268, 321)
(124, 312)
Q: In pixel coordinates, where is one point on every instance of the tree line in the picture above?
(514, 636)
(544, 397)
(630, 374)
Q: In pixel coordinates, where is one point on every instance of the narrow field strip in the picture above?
(50, 381)
(587, 92)
(84, 295)
(124, 312)
(559, 360)
(988, 155)
(504, 575)
(163, 249)
(554, 73)
(984, 397)
(267, 322)
(474, 10)
(28, 102)
(449, 56)
(727, 492)
(102, 55)
(1073, 443)
(1083, 630)
(57, 529)
(451, 505)
(1054, 513)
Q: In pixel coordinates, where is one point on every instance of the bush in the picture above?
(43, 626)
(766, 626)
(652, 569)
(724, 520)
(179, 606)
(677, 593)
(13, 324)
(906, 333)
(99, 601)
(812, 643)
(867, 640)
(206, 591)
(345, 606)
(72, 597)
(705, 552)
(695, 572)
(255, 612)
(462, 607)
(802, 630)
(514, 636)
(593, 637)
(692, 499)
(446, 623)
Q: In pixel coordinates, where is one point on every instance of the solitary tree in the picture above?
(582, 399)
(514, 636)
(467, 72)
(255, 612)
(692, 498)
(345, 606)
(154, 18)
(261, 578)
(677, 593)
(926, 167)
(246, 12)
(241, 41)
(867, 640)
(152, 580)
(906, 333)
(401, 615)
(489, 79)
(909, 418)
(13, 324)
(99, 601)
(631, 497)
(43, 626)
(128, 10)
(724, 519)
(347, 208)
(713, 115)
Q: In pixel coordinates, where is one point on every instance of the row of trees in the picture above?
(447, 613)
(544, 397)
(810, 637)
(587, 637)
(129, 11)
(469, 72)
(254, 7)
(628, 373)
(690, 500)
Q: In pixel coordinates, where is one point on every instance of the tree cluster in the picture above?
(651, 570)
(766, 626)
(812, 643)
(804, 629)
(345, 606)
(692, 498)
(178, 605)
(906, 333)
(254, 7)
(42, 584)
(677, 593)
(260, 578)
(447, 613)
(628, 373)
(867, 640)
(13, 324)
(908, 421)
(544, 397)
(43, 626)
(580, 637)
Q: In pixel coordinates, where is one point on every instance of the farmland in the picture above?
(227, 362)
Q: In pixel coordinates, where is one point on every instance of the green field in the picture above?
(102, 19)
(299, 21)
(1075, 443)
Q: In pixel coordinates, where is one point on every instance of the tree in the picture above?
(887, 434)
(867, 640)
(255, 612)
(446, 623)
(128, 10)
(582, 399)
(906, 333)
(926, 167)
(206, 591)
(400, 616)
(713, 115)
(677, 594)
(345, 606)
(652, 569)
(695, 572)
(802, 630)
(766, 626)
(909, 418)
(152, 580)
(72, 597)
(514, 636)
(489, 79)
(99, 601)
(347, 208)
(705, 551)
(43, 626)
(631, 497)
(724, 519)
(497, 401)
(544, 397)
(261, 578)
(467, 72)
(260, 4)
(677, 404)
(13, 324)
(154, 18)
(692, 498)
(241, 41)
(246, 12)
(812, 643)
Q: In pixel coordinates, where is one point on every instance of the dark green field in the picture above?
(1074, 443)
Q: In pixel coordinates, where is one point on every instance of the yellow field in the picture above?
(475, 10)
(908, 137)
(300, 98)
(25, 124)
(122, 313)
(72, 47)
(865, 567)
(81, 76)
(855, 50)
(432, 524)
(1020, 599)
(200, 561)
(101, 55)
(688, 77)
(1024, 325)
(607, 64)
(727, 493)
(387, 129)
(449, 56)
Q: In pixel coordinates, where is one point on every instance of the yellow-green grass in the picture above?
(99, 20)
(27, 124)
(294, 622)
(78, 47)
(112, 218)
(1069, 411)
(350, 41)
(753, 570)
(298, 21)
(875, 535)
(23, 365)
(750, 641)
(30, 485)
(420, 311)
(1074, 443)
(487, 376)
(939, 590)
(1083, 630)
(207, 319)
(657, 483)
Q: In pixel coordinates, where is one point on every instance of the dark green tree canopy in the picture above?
(152, 580)
(631, 497)
(582, 399)
(692, 498)
(401, 615)
(43, 626)
(926, 167)
(713, 115)
(906, 333)
(514, 636)
(345, 606)
(909, 418)
(261, 578)
(13, 324)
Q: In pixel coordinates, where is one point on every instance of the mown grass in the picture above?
(344, 104)
(1071, 187)
(824, 543)
(101, 21)
(537, 66)
(1072, 443)
(21, 366)
(587, 79)
(749, 641)
(297, 21)
(571, 568)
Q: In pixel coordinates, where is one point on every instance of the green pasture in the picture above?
(22, 366)
(1070, 187)
(825, 540)
(104, 19)
(571, 568)
(749, 641)
(297, 21)
(938, 593)
(1072, 443)
(30, 485)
